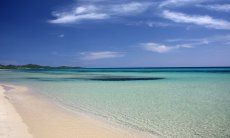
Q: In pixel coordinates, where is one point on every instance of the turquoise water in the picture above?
(172, 102)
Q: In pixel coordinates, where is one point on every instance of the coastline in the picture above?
(45, 119)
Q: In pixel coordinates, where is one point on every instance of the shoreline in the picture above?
(46, 119)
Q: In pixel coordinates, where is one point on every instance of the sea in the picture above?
(171, 102)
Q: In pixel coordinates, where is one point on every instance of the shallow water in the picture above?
(173, 102)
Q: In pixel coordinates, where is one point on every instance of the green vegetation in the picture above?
(34, 66)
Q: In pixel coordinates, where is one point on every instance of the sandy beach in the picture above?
(11, 123)
(39, 118)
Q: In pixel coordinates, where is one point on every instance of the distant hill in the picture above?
(34, 66)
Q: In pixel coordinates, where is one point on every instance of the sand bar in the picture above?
(47, 120)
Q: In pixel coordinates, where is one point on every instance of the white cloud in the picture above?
(63, 19)
(99, 12)
(149, 23)
(217, 7)
(169, 3)
(154, 47)
(85, 9)
(147, 13)
(218, 39)
(101, 55)
(61, 35)
(130, 8)
(157, 24)
(161, 48)
(206, 21)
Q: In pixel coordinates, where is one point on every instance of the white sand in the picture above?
(11, 124)
(47, 120)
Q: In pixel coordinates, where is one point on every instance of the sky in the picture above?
(115, 33)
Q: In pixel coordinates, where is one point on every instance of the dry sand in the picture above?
(47, 120)
(11, 123)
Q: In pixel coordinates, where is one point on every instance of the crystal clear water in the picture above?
(173, 102)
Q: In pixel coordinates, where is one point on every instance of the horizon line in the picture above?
(121, 67)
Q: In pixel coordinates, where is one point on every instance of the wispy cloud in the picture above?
(178, 43)
(157, 24)
(101, 55)
(78, 14)
(61, 54)
(170, 3)
(98, 12)
(146, 12)
(217, 7)
(206, 21)
(73, 18)
(161, 48)
(150, 23)
(130, 8)
(218, 39)
(61, 35)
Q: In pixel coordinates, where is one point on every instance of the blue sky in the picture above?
(121, 33)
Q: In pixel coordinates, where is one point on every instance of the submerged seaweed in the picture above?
(124, 78)
(98, 78)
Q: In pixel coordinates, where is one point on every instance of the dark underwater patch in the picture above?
(98, 78)
(124, 78)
